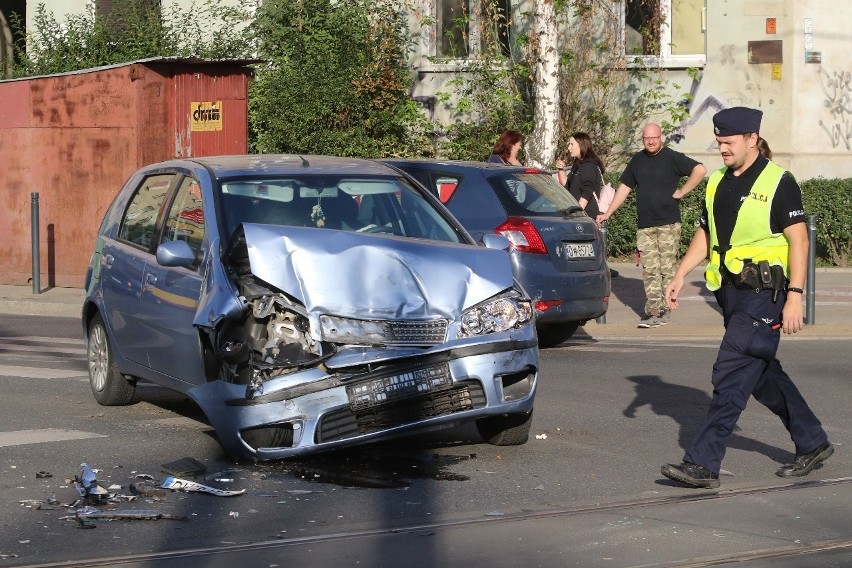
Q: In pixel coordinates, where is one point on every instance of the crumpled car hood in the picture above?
(375, 276)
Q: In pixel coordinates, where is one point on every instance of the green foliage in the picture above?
(489, 98)
(336, 80)
(491, 93)
(608, 94)
(131, 31)
(604, 93)
(829, 200)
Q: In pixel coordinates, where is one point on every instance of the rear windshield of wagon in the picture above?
(534, 193)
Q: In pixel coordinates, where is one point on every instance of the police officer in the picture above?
(753, 227)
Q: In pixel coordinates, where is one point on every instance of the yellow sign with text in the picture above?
(776, 71)
(205, 116)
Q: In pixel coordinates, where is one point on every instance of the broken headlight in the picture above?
(495, 315)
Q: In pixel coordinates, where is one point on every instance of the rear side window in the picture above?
(139, 224)
(468, 197)
(475, 205)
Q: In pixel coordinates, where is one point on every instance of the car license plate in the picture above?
(578, 250)
(375, 392)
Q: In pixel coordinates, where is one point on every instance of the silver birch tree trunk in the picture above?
(542, 142)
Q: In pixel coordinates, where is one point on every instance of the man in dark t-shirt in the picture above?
(655, 173)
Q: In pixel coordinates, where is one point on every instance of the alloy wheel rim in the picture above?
(98, 358)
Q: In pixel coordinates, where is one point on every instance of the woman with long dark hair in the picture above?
(584, 178)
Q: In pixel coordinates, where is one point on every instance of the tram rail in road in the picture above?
(674, 531)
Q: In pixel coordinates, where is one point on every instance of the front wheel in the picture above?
(109, 386)
(508, 430)
(553, 335)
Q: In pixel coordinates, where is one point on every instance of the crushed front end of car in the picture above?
(325, 339)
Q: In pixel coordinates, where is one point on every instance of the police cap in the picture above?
(737, 120)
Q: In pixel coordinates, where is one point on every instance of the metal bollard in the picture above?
(35, 247)
(602, 318)
(810, 289)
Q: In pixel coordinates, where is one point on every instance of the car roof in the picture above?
(461, 164)
(286, 164)
(486, 168)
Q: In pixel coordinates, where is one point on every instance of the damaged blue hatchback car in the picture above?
(307, 303)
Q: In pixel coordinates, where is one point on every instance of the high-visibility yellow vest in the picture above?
(752, 236)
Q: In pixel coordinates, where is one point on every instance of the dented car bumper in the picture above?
(316, 409)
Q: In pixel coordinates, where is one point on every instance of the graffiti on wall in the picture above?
(709, 104)
(747, 91)
(837, 88)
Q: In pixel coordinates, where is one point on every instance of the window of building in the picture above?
(12, 33)
(107, 7)
(673, 32)
(117, 12)
(461, 27)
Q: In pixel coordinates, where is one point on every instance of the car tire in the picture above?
(109, 386)
(553, 335)
(508, 430)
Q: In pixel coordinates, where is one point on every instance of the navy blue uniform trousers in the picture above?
(746, 366)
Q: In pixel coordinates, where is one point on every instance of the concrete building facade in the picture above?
(785, 57)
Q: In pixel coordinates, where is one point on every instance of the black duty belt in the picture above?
(756, 276)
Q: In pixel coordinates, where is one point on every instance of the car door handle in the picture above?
(151, 279)
(108, 260)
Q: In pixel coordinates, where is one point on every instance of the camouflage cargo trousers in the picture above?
(658, 253)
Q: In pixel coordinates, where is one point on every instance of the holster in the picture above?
(757, 276)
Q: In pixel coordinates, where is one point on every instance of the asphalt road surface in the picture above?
(584, 491)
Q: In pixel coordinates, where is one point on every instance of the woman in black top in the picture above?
(584, 178)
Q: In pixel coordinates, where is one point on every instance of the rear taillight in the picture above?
(522, 235)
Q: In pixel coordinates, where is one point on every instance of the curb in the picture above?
(40, 308)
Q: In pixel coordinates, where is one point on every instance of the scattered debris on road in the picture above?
(183, 467)
(88, 514)
(178, 484)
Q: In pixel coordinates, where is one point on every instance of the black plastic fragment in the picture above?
(184, 467)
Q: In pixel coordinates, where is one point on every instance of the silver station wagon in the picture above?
(307, 303)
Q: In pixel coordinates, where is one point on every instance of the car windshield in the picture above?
(536, 193)
(346, 203)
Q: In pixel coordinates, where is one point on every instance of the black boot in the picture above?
(692, 474)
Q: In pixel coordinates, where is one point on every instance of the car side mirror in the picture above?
(494, 241)
(176, 253)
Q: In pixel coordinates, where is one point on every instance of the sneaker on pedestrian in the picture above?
(649, 320)
(665, 317)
